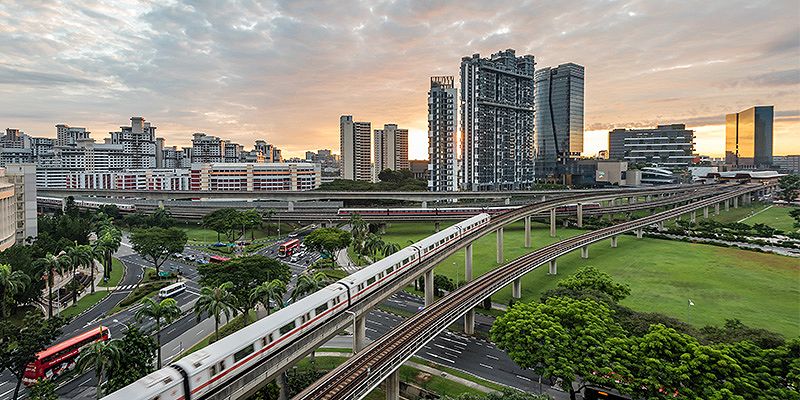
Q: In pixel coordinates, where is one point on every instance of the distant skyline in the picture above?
(286, 71)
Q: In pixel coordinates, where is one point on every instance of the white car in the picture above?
(294, 258)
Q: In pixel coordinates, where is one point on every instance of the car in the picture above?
(293, 235)
(294, 258)
(191, 257)
(219, 244)
(178, 255)
(202, 261)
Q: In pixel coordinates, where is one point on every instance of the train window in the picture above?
(213, 370)
(319, 310)
(406, 260)
(286, 328)
(221, 365)
(243, 353)
(371, 280)
(389, 270)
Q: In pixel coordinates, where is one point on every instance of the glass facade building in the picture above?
(442, 135)
(559, 118)
(748, 137)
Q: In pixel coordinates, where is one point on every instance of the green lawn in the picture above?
(762, 290)
(774, 216)
(196, 233)
(116, 274)
(84, 303)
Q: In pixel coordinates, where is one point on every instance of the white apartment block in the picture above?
(442, 135)
(255, 176)
(391, 148)
(354, 144)
(138, 142)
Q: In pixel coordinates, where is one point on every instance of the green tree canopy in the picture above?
(592, 281)
(225, 221)
(163, 312)
(157, 244)
(790, 186)
(328, 240)
(139, 351)
(19, 344)
(245, 273)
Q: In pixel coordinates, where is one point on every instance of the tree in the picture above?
(139, 351)
(309, 283)
(102, 356)
(390, 248)
(592, 280)
(161, 218)
(251, 219)
(165, 311)
(373, 244)
(77, 256)
(43, 390)
(268, 215)
(52, 265)
(328, 240)
(157, 244)
(215, 301)
(11, 283)
(21, 257)
(268, 292)
(735, 331)
(245, 273)
(790, 186)
(795, 213)
(20, 344)
(109, 239)
(225, 221)
(359, 229)
(506, 394)
(562, 338)
(442, 283)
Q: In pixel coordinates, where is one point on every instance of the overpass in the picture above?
(380, 361)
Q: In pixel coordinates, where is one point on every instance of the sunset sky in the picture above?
(286, 71)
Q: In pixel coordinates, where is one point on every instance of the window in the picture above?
(243, 353)
(319, 310)
(286, 328)
(221, 365)
(371, 280)
(213, 370)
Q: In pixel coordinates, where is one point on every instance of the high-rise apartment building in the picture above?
(497, 120)
(665, 146)
(442, 135)
(138, 141)
(391, 148)
(69, 135)
(354, 145)
(559, 118)
(207, 148)
(748, 137)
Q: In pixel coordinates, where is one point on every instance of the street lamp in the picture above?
(116, 321)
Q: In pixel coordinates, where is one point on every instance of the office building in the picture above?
(748, 138)
(442, 135)
(559, 118)
(497, 121)
(790, 164)
(668, 146)
(138, 142)
(391, 148)
(354, 144)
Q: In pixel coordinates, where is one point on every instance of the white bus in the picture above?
(172, 290)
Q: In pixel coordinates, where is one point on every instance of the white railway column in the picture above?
(527, 232)
(693, 217)
(705, 212)
(290, 206)
(469, 317)
(161, 204)
(516, 288)
(614, 241)
(660, 226)
(429, 288)
(552, 222)
(580, 215)
(359, 333)
(500, 258)
(585, 252)
(736, 202)
(640, 233)
(436, 226)
(508, 200)
(283, 387)
(424, 203)
(393, 386)
(727, 205)
(553, 270)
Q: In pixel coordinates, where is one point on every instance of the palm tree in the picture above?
(79, 255)
(359, 228)
(372, 245)
(273, 290)
(167, 311)
(52, 265)
(11, 283)
(268, 215)
(102, 356)
(390, 248)
(309, 283)
(216, 301)
(108, 242)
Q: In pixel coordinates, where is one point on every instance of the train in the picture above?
(449, 211)
(88, 204)
(205, 371)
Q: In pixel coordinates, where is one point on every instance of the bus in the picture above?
(599, 393)
(289, 247)
(218, 259)
(61, 357)
(172, 290)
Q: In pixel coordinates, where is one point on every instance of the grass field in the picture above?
(773, 216)
(762, 290)
(84, 303)
(116, 274)
(196, 233)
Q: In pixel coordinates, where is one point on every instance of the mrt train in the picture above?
(448, 211)
(88, 204)
(203, 373)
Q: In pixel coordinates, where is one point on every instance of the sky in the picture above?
(285, 71)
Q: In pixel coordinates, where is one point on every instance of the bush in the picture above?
(143, 290)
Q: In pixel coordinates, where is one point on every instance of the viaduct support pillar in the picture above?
(553, 270)
(393, 386)
(359, 334)
(469, 322)
(283, 387)
(693, 217)
(660, 226)
(428, 288)
(527, 232)
(727, 205)
(705, 212)
(508, 200)
(436, 226)
(161, 204)
(469, 317)
(516, 288)
(639, 233)
(552, 222)
(736, 202)
(585, 252)
(500, 258)
(614, 241)
(290, 206)
(580, 215)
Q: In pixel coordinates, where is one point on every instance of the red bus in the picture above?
(53, 361)
(218, 259)
(288, 248)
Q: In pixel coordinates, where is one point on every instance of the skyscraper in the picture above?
(138, 141)
(667, 146)
(442, 135)
(497, 121)
(354, 144)
(391, 148)
(748, 137)
(559, 118)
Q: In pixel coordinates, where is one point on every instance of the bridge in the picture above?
(380, 361)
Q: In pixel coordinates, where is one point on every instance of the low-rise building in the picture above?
(790, 164)
(667, 146)
(255, 177)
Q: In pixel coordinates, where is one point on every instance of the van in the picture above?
(172, 290)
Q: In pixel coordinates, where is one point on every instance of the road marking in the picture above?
(377, 323)
(440, 357)
(3, 394)
(453, 341)
(486, 366)
(447, 348)
(522, 377)
(84, 382)
(199, 333)
(371, 330)
(492, 357)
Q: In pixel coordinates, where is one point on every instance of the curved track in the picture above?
(364, 371)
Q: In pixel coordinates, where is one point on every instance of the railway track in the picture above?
(367, 369)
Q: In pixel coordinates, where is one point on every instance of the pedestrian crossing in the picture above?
(351, 268)
(126, 287)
